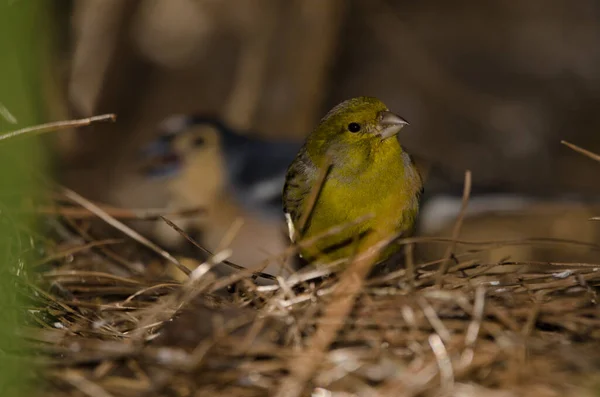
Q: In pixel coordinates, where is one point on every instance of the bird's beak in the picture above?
(390, 124)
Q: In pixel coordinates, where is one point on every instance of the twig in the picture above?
(207, 252)
(314, 195)
(533, 316)
(443, 360)
(456, 231)
(581, 150)
(437, 324)
(7, 115)
(230, 234)
(92, 274)
(58, 125)
(410, 265)
(119, 213)
(74, 250)
(488, 244)
(477, 317)
(123, 228)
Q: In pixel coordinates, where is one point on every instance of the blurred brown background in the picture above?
(487, 86)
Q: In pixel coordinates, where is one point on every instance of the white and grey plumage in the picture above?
(255, 168)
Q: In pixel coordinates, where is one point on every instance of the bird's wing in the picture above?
(301, 176)
(262, 167)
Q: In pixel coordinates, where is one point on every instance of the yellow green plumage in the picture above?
(370, 174)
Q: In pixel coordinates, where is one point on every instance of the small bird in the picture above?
(355, 154)
(232, 175)
(255, 168)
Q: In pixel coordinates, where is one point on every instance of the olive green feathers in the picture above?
(367, 175)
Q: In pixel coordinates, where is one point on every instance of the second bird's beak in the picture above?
(390, 124)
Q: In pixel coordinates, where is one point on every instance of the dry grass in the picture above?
(111, 318)
(110, 324)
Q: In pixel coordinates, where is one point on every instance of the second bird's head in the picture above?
(180, 138)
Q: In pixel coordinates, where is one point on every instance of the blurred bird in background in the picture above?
(236, 177)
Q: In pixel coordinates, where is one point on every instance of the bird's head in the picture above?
(355, 124)
(181, 138)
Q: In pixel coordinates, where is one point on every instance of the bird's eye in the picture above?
(198, 141)
(353, 127)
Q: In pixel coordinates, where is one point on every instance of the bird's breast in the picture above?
(387, 192)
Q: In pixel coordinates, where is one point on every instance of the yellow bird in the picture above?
(367, 173)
